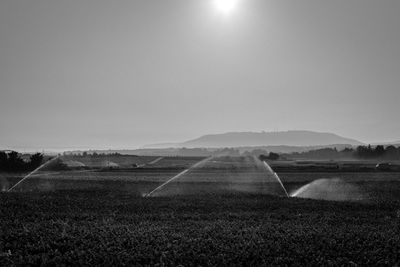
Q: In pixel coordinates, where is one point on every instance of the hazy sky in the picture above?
(114, 74)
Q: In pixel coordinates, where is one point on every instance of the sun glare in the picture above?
(225, 6)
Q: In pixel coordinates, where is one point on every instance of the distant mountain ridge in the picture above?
(254, 139)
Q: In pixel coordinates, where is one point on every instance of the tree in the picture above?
(379, 151)
(36, 160)
(392, 152)
(15, 163)
(364, 151)
(3, 160)
(348, 150)
(273, 156)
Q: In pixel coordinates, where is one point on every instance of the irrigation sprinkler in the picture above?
(32, 172)
(176, 177)
(269, 169)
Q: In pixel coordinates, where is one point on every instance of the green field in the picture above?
(226, 211)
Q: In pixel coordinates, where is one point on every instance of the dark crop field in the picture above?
(226, 211)
(108, 228)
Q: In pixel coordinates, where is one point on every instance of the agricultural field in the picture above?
(137, 175)
(207, 211)
(333, 165)
(110, 228)
(130, 161)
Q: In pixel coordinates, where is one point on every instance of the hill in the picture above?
(288, 138)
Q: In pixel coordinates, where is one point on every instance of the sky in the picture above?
(86, 74)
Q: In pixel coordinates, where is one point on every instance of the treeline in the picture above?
(94, 154)
(12, 162)
(389, 152)
(361, 152)
(270, 156)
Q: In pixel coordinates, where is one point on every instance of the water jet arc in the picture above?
(300, 190)
(276, 177)
(31, 173)
(155, 161)
(176, 177)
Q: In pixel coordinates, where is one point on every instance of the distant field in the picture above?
(347, 176)
(101, 161)
(222, 174)
(332, 165)
(176, 162)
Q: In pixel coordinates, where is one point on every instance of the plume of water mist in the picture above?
(176, 177)
(269, 169)
(4, 184)
(74, 164)
(33, 172)
(109, 164)
(329, 189)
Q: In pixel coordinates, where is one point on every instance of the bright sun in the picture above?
(225, 6)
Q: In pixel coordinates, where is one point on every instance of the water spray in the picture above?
(150, 163)
(32, 172)
(155, 161)
(176, 177)
(301, 190)
(276, 177)
(334, 189)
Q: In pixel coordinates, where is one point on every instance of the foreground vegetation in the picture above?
(111, 228)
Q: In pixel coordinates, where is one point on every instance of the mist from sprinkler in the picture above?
(33, 172)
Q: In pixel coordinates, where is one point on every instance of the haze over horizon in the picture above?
(96, 74)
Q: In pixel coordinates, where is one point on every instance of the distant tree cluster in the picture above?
(361, 152)
(324, 153)
(270, 156)
(390, 152)
(12, 161)
(92, 154)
